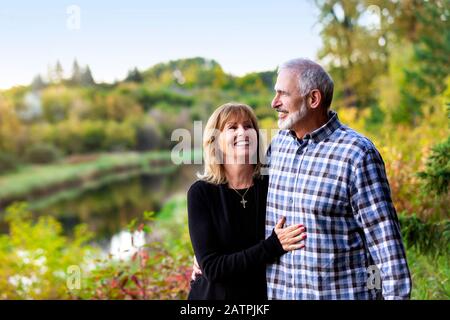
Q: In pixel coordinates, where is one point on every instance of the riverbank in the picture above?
(74, 174)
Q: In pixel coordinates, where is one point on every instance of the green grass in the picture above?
(430, 275)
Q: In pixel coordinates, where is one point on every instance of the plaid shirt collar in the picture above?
(321, 133)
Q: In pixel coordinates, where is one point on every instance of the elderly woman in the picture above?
(226, 210)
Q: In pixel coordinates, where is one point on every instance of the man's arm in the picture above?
(373, 207)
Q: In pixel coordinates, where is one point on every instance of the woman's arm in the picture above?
(218, 266)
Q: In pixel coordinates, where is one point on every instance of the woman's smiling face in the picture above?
(238, 141)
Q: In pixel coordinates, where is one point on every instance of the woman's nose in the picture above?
(240, 130)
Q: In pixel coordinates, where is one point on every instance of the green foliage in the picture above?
(148, 136)
(93, 136)
(427, 238)
(56, 103)
(355, 56)
(431, 48)
(35, 255)
(187, 73)
(148, 98)
(8, 162)
(156, 270)
(134, 76)
(430, 275)
(42, 153)
(172, 226)
(89, 136)
(139, 113)
(36, 258)
(437, 173)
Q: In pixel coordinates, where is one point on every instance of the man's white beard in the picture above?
(289, 122)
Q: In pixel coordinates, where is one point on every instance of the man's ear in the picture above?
(315, 98)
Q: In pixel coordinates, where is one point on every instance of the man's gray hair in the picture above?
(311, 76)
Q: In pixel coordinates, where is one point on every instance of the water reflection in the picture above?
(108, 209)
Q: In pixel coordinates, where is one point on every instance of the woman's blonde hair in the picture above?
(213, 169)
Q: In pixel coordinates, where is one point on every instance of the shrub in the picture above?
(148, 137)
(428, 238)
(35, 255)
(42, 153)
(93, 135)
(119, 136)
(36, 259)
(159, 269)
(436, 177)
(8, 162)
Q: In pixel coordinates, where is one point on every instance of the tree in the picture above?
(431, 52)
(76, 73)
(11, 129)
(436, 177)
(59, 72)
(134, 76)
(415, 29)
(353, 49)
(86, 77)
(37, 83)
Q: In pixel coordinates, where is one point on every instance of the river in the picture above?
(108, 209)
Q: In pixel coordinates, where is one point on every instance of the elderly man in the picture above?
(331, 179)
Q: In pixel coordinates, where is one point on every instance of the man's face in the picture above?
(288, 102)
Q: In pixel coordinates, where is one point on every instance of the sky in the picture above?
(115, 36)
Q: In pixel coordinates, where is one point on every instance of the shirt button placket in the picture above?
(300, 152)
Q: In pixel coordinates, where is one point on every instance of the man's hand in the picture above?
(290, 236)
(196, 271)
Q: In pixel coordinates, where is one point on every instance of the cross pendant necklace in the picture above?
(243, 201)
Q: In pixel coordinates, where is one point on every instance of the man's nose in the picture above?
(275, 102)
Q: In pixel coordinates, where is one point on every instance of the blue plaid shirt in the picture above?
(333, 181)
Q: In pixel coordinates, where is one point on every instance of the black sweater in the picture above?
(228, 241)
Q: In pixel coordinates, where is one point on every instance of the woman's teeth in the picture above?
(241, 143)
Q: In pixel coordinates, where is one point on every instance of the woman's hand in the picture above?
(195, 270)
(290, 236)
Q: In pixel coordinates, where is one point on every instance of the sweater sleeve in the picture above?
(214, 263)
